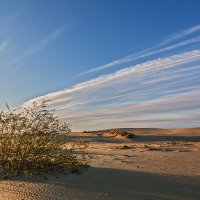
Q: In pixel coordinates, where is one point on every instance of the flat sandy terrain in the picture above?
(157, 164)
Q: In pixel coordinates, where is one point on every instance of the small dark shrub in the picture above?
(34, 141)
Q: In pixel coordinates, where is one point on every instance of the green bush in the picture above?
(34, 141)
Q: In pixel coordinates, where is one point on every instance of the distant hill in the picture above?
(173, 131)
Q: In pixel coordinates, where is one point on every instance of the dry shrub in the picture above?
(34, 141)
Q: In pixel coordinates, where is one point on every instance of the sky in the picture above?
(103, 63)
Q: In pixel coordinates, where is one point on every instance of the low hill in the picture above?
(154, 131)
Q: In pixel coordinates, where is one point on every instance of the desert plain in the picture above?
(154, 164)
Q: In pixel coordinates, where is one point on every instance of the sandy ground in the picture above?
(157, 164)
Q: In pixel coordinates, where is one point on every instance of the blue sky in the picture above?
(103, 63)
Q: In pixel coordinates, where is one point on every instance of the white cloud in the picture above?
(161, 92)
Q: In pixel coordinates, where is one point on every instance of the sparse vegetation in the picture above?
(34, 141)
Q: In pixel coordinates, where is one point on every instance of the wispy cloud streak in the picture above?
(161, 92)
(40, 45)
(6, 23)
(182, 34)
(156, 49)
(3, 46)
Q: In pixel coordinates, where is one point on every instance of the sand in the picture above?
(157, 164)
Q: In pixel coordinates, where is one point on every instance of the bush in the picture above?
(34, 141)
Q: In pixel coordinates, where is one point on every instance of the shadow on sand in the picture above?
(162, 138)
(101, 183)
(139, 138)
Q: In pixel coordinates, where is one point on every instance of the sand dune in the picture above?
(156, 164)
